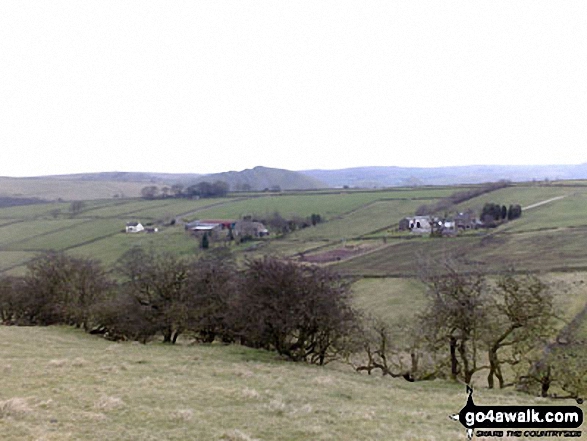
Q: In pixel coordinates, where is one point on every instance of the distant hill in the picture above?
(260, 178)
(128, 177)
(368, 177)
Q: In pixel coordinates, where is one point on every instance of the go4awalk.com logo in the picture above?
(519, 421)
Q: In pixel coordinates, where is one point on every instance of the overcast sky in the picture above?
(210, 86)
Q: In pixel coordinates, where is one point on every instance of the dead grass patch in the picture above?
(237, 435)
(182, 415)
(250, 393)
(243, 372)
(14, 407)
(93, 416)
(58, 363)
(79, 362)
(107, 404)
(323, 381)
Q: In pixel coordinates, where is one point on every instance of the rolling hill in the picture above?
(68, 189)
(260, 178)
(369, 177)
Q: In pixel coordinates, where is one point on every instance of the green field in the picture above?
(60, 384)
(547, 237)
(328, 205)
(32, 211)
(96, 230)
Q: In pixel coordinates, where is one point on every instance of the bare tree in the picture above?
(158, 281)
(302, 312)
(61, 289)
(76, 207)
(521, 320)
(456, 316)
(212, 286)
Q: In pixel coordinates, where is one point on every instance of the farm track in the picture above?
(538, 204)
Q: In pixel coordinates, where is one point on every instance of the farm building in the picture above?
(211, 227)
(427, 225)
(417, 224)
(250, 228)
(134, 227)
(466, 221)
(223, 223)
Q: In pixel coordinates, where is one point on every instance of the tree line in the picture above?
(493, 214)
(446, 204)
(303, 313)
(202, 189)
(502, 328)
(474, 324)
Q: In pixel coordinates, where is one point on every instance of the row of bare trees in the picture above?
(304, 313)
(503, 326)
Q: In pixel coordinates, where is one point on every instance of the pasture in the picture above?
(96, 230)
(61, 384)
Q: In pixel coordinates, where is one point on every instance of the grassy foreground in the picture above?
(61, 384)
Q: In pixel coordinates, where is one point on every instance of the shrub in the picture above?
(302, 312)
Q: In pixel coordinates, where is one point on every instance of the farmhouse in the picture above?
(417, 224)
(134, 227)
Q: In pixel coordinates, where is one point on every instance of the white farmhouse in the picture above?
(134, 227)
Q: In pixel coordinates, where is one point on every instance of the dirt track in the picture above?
(538, 204)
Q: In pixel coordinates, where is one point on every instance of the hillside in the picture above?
(62, 384)
(260, 178)
(128, 177)
(369, 177)
(68, 189)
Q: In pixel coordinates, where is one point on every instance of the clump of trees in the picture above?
(202, 189)
(58, 289)
(303, 313)
(493, 214)
(474, 324)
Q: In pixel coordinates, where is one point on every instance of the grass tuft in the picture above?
(182, 415)
(79, 362)
(250, 393)
(107, 404)
(58, 363)
(14, 407)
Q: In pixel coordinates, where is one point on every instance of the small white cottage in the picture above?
(134, 227)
